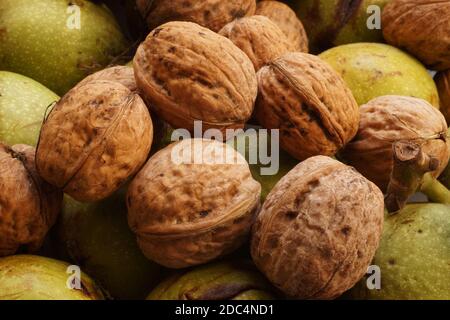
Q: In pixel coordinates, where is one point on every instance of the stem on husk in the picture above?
(410, 166)
(434, 190)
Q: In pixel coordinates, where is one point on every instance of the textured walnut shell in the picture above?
(287, 21)
(187, 72)
(121, 74)
(28, 205)
(443, 85)
(212, 14)
(95, 138)
(259, 37)
(309, 102)
(187, 214)
(318, 230)
(422, 27)
(386, 120)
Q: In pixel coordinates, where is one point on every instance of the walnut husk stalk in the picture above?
(318, 230)
(28, 205)
(410, 166)
(435, 190)
(287, 21)
(387, 120)
(94, 139)
(212, 14)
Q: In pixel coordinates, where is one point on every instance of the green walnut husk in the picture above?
(373, 70)
(414, 256)
(23, 103)
(96, 236)
(217, 281)
(26, 277)
(331, 23)
(253, 143)
(58, 42)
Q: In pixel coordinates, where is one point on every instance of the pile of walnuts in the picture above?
(227, 64)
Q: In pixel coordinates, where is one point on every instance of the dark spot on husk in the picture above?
(225, 291)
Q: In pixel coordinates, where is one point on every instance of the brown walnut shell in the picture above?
(259, 37)
(188, 213)
(187, 73)
(422, 27)
(287, 21)
(212, 14)
(121, 74)
(28, 205)
(389, 119)
(318, 230)
(95, 138)
(309, 102)
(443, 85)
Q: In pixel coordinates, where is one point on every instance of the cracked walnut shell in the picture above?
(259, 37)
(212, 14)
(422, 27)
(286, 19)
(187, 212)
(389, 119)
(318, 230)
(309, 102)
(28, 205)
(186, 73)
(95, 138)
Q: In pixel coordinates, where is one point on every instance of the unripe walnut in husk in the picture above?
(390, 119)
(225, 280)
(188, 206)
(318, 230)
(286, 19)
(28, 205)
(121, 74)
(212, 14)
(309, 102)
(443, 85)
(259, 37)
(422, 27)
(187, 73)
(95, 138)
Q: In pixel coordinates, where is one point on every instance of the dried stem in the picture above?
(410, 166)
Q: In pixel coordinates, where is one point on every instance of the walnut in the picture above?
(95, 138)
(387, 120)
(309, 102)
(318, 230)
(287, 21)
(422, 27)
(443, 85)
(212, 14)
(187, 72)
(121, 74)
(186, 212)
(260, 38)
(28, 205)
